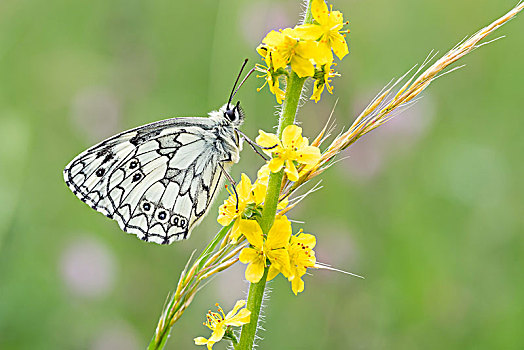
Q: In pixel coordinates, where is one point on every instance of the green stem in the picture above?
(287, 117)
(254, 302)
(256, 290)
(308, 16)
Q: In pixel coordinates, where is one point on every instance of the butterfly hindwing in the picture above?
(156, 181)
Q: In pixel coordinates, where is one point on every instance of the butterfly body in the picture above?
(158, 180)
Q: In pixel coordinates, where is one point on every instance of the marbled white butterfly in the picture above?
(158, 180)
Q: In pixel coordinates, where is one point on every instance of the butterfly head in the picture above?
(233, 114)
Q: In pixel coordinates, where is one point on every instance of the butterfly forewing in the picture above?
(156, 181)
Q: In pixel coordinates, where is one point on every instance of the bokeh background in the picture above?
(429, 208)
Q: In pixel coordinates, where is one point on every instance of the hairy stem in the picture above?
(287, 117)
(256, 290)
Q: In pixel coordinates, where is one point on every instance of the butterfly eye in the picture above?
(137, 177)
(230, 114)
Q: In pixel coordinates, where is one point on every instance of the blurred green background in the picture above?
(429, 208)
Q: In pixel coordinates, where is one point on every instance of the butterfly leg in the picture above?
(254, 145)
(233, 183)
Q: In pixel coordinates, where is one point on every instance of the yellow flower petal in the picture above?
(248, 255)
(224, 219)
(255, 270)
(272, 273)
(232, 210)
(306, 239)
(278, 60)
(279, 234)
(291, 171)
(278, 92)
(310, 50)
(302, 66)
(218, 334)
(263, 174)
(340, 47)
(324, 55)
(262, 50)
(279, 259)
(290, 32)
(308, 31)
(302, 142)
(273, 38)
(244, 187)
(319, 10)
(335, 21)
(265, 139)
(308, 155)
(235, 231)
(317, 91)
(275, 164)
(297, 285)
(259, 192)
(238, 305)
(243, 317)
(251, 229)
(290, 135)
(200, 341)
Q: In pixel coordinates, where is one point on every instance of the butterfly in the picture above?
(159, 180)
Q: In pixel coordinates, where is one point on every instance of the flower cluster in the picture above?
(307, 49)
(221, 324)
(282, 251)
(250, 199)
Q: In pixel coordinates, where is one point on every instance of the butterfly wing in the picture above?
(156, 181)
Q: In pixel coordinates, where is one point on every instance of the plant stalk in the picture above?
(256, 290)
(287, 117)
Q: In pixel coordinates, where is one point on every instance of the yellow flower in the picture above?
(293, 148)
(273, 249)
(271, 80)
(250, 199)
(284, 48)
(228, 211)
(323, 80)
(301, 256)
(218, 322)
(327, 30)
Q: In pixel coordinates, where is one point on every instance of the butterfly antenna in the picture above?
(243, 81)
(233, 91)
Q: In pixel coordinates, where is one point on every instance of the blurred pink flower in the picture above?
(87, 268)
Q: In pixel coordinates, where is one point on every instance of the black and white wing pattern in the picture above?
(156, 181)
